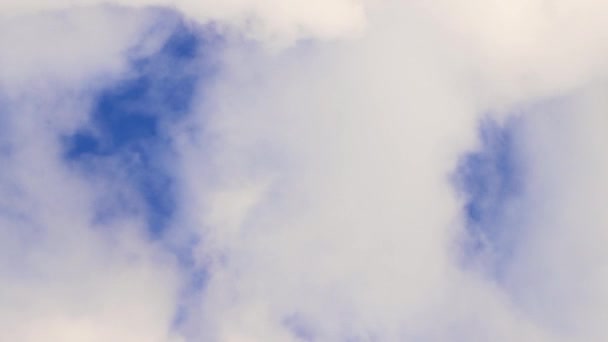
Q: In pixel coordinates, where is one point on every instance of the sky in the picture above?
(306, 171)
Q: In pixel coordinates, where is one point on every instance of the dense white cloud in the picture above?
(528, 49)
(355, 236)
(317, 176)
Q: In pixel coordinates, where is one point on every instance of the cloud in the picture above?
(278, 23)
(556, 274)
(356, 238)
(305, 193)
(64, 276)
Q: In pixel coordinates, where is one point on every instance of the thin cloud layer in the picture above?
(303, 171)
(277, 23)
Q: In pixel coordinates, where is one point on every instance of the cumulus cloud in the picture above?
(321, 191)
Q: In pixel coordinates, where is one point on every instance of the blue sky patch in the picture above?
(129, 121)
(490, 180)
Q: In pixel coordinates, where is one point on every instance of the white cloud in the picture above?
(319, 186)
(357, 235)
(276, 22)
(558, 274)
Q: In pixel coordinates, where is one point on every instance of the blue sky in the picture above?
(306, 171)
(492, 181)
(129, 122)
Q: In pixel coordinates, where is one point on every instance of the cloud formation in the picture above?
(302, 171)
(274, 22)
